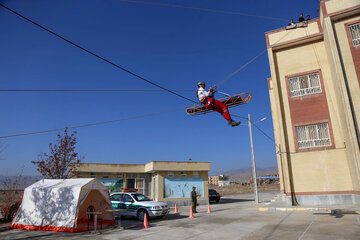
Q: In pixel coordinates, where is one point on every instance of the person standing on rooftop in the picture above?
(301, 18)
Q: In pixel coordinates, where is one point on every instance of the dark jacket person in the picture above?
(194, 199)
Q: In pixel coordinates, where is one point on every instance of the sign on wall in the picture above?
(182, 187)
(113, 185)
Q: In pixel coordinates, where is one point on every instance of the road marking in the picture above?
(303, 234)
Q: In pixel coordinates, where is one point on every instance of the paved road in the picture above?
(234, 218)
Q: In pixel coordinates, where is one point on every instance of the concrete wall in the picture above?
(182, 201)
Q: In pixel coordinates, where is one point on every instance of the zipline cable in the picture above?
(204, 9)
(90, 124)
(228, 77)
(90, 90)
(239, 69)
(95, 55)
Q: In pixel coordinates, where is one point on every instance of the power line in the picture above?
(90, 90)
(95, 55)
(204, 9)
(273, 140)
(90, 124)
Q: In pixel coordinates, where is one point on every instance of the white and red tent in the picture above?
(61, 205)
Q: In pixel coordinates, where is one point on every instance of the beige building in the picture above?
(162, 181)
(315, 101)
(214, 180)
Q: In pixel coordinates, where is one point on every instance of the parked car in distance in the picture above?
(137, 205)
(214, 196)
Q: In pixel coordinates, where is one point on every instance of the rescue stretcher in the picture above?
(232, 101)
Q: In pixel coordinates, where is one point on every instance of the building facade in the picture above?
(315, 101)
(160, 180)
(214, 180)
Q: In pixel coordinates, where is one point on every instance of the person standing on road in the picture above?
(194, 199)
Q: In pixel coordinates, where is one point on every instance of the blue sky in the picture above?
(172, 47)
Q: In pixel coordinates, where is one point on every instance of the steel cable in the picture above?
(95, 55)
(90, 124)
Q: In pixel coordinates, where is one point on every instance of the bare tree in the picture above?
(10, 194)
(62, 154)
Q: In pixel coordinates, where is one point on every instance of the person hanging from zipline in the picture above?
(207, 98)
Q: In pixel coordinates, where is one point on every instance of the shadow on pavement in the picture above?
(25, 234)
(232, 200)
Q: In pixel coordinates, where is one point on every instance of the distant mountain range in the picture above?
(242, 175)
(25, 180)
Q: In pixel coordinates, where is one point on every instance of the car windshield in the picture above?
(139, 197)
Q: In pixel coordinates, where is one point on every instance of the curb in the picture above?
(280, 209)
(4, 228)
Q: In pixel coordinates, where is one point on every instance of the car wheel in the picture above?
(141, 214)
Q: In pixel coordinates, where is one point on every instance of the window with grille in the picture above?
(311, 136)
(355, 34)
(304, 85)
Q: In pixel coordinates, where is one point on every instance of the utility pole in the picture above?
(253, 162)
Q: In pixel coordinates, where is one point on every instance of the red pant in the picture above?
(219, 107)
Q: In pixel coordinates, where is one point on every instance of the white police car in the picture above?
(137, 205)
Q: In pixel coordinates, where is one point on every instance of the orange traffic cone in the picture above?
(191, 213)
(209, 210)
(176, 210)
(146, 225)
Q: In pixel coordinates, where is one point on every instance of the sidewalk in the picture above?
(4, 226)
(279, 204)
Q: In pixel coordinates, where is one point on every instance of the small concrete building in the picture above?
(160, 180)
(315, 102)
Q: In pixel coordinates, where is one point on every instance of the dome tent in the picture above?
(61, 204)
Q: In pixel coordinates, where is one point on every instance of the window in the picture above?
(127, 198)
(196, 174)
(355, 34)
(304, 85)
(140, 185)
(119, 175)
(93, 175)
(116, 197)
(183, 174)
(170, 174)
(105, 176)
(310, 136)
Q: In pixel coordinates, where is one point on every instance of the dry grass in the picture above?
(238, 188)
